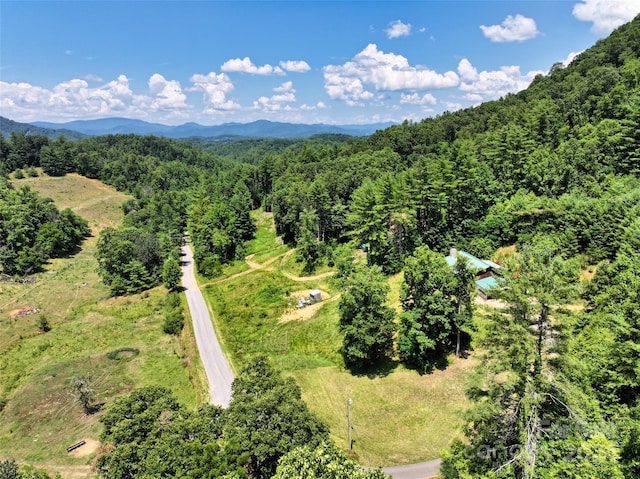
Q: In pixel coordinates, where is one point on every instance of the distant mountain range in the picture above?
(256, 129)
(9, 126)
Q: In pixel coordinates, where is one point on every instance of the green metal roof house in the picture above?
(485, 270)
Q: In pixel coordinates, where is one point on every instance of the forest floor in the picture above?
(41, 417)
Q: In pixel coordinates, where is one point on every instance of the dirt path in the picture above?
(308, 278)
(253, 266)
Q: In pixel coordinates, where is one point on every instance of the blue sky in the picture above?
(336, 62)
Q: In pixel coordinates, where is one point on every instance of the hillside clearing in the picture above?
(41, 417)
(402, 417)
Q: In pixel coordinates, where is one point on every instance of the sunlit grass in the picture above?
(41, 418)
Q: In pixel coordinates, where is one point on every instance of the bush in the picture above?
(173, 321)
(43, 324)
(19, 174)
(173, 301)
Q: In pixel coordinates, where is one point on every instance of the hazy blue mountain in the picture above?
(260, 128)
(9, 126)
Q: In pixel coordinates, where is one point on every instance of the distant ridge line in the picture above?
(255, 129)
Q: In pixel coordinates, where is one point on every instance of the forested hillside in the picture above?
(553, 170)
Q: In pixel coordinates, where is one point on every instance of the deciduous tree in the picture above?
(365, 319)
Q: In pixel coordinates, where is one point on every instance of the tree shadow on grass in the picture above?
(92, 409)
(440, 364)
(379, 369)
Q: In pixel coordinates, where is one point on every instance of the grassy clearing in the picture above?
(266, 243)
(399, 416)
(41, 417)
(96, 202)
(247, 311)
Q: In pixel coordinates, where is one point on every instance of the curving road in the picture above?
(216, 366)
(220, 375)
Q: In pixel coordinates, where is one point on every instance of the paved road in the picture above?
(422, 470)
(216, 366)
(219, 372)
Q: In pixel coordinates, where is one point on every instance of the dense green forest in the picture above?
(553, 170)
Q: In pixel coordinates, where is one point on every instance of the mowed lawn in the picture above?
(41, 417)
(399, 417)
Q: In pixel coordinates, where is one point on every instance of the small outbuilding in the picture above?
(315, 295)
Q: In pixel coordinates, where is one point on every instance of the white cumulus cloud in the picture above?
(398, 29)
(318, 106)
(215, 88)
(451, 106)
(489, 85)
(74, 99)
(245, 65)
(570, 57)
(512, 29)
(606, 15)
(296, 66)
(167, 94)
(417, 99)
(384, 72)
(285, 95)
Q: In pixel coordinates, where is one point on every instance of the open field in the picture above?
(41, 416)
(399, 416)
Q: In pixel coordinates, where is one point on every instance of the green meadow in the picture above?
(41, 416)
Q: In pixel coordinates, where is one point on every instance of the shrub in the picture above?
(173, 321)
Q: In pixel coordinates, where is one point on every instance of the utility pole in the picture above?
(349, 403)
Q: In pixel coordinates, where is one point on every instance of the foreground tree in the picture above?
(151, 435)
(365, 319)
(427, 323)
(267, 418)
(517, 390)
(324, 461)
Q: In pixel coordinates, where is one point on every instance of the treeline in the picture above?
(173, 185)
(554, 158)
(32, 230)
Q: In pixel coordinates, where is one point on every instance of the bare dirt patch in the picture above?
(589, 273)
(89, 447)
(23, 311)
(302, 314)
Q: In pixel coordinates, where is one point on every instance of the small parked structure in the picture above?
(487, 272)
(315, 295)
